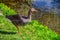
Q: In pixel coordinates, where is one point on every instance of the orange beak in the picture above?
(34, 10)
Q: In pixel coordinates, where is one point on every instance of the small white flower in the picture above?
(1, 14)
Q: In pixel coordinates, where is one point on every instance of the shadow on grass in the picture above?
(5, 32)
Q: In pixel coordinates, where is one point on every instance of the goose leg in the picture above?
(17, 27)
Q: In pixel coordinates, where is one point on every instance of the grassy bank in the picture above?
(31, 31)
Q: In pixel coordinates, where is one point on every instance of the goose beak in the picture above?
(34, 10)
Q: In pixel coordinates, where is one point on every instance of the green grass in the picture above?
(31, 31)
(6, 10)
(6, 25)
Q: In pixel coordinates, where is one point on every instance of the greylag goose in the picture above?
(18, 19)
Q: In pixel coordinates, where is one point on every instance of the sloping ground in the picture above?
(31, 31)
(5, 25)
(50, 20)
